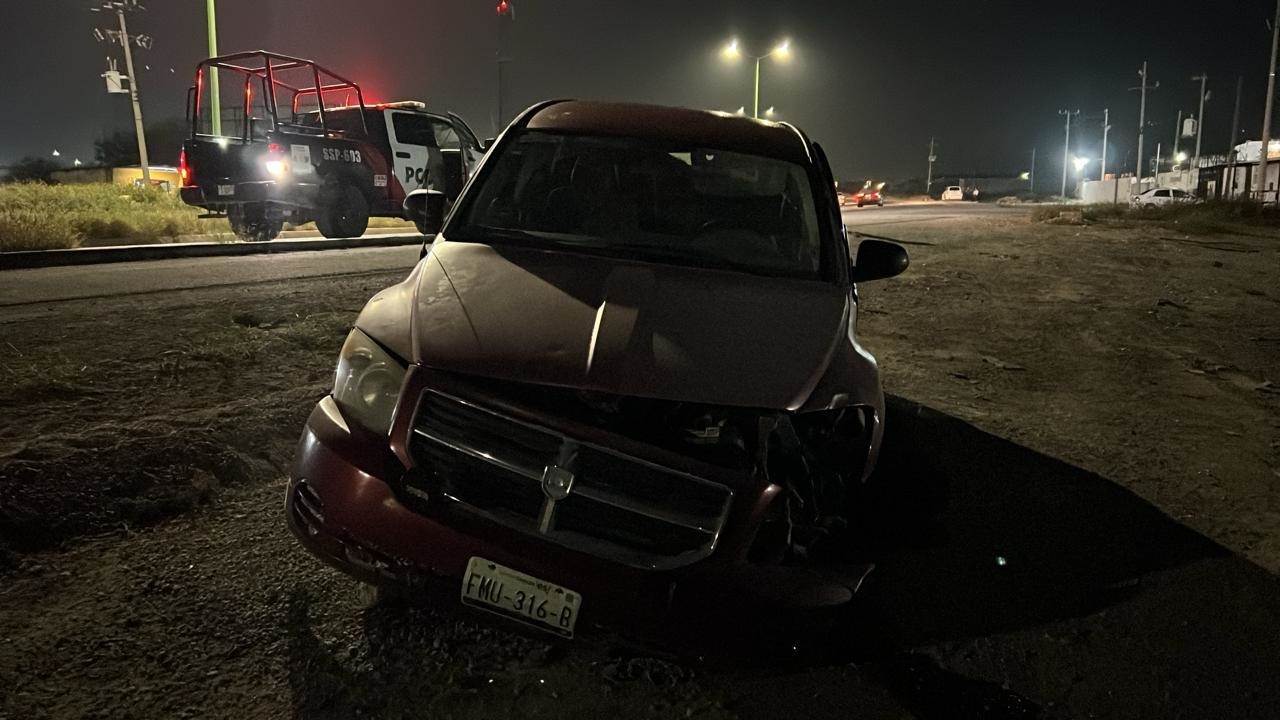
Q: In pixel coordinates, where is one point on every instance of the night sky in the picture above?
(871, 81)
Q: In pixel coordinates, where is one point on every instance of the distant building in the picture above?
(166, 178)
(1234, 178)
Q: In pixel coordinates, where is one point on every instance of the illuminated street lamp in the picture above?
(1180, 158)
(769, 113)
(733, 50)
(1081, 163)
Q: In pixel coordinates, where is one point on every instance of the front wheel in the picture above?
(345, 213)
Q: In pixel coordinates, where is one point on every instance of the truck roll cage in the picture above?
(265, 67)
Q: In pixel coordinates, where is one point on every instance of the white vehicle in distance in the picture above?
(1157, 197)
(953, 192)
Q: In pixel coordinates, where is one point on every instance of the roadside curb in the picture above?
(26, 259)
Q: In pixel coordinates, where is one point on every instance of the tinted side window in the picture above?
(412, 129)
(445, 134)
(1162, 193)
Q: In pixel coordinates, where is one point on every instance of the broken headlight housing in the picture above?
(367, 383)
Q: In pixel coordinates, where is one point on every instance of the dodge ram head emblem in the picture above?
(556, 482)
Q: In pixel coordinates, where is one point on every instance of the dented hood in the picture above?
(622, 327)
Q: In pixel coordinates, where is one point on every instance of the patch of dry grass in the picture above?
(1207, 218)
(36, 216)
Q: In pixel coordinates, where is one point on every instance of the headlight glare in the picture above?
(367, 383)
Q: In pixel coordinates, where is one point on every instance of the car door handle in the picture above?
(404, 155)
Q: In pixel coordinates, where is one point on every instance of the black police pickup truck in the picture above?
(278, 139)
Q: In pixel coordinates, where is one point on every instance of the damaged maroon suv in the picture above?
(622, 385)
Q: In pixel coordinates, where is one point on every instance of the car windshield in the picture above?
(649, 201)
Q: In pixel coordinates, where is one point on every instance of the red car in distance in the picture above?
(869, 195)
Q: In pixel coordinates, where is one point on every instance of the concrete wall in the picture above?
(1119, 190)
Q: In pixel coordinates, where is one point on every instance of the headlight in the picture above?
(277, 168)
(367, 383)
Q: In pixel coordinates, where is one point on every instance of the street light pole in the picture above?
(1066, 149)
(133, 96)
(732, 51)
(215, 96)
(1266, 116)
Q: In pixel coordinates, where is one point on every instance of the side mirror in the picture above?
(426, 209)
(488, 143)
(879, 259)
(455, 173)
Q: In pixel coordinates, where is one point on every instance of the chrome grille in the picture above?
(619, 507)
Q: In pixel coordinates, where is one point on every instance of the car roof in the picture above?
(701, 128)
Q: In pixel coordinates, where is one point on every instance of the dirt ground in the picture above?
(148, 572)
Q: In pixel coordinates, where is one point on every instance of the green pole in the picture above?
(215, 100)
(755, 107)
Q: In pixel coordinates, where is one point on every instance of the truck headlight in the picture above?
(367, 383)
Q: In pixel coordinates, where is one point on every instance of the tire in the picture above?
(859, 204)
(252, 223)
(345, 213)
(880, 204)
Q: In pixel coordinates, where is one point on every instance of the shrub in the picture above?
(30, 230)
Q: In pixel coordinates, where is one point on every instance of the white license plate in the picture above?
(226, 189)
(524, 598)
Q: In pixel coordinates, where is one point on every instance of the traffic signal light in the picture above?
(504, 7)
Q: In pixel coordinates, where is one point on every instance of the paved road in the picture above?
(28, 287)
(867, 217)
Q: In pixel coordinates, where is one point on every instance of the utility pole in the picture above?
(215, 95)
(1066, 149)
(1203, 78)
(1142, 117)
(1235, 133)
(1032, 174)
(1106, 128)
(1177, 136)
(1235, 118)
(928, 183)
(506, 18)
(133, 96)
(1261, 183)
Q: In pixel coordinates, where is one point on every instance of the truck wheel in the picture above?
(253, 223)
(345, 214)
